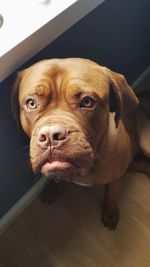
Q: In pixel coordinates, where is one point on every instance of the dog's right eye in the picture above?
(87, 102)
(31, 103)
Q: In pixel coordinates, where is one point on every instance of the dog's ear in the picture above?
(122, 99)
(15, 96)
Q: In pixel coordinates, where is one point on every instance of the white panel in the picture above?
(29, 27)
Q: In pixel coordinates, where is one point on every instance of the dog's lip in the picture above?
(56, 165)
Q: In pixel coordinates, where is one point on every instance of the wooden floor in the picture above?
(69, 233)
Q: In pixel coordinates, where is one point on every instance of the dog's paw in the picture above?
(110, 219)
(50, 193)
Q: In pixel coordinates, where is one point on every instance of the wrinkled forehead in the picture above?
(58, 75)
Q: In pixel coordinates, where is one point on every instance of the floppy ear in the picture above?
(122, 99)
(14, 98)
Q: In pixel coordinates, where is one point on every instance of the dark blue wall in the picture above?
(15, 172)
(116, 34)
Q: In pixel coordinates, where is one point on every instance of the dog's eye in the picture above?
(87, 102)
(31, 103)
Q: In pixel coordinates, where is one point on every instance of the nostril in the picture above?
(59, 136)
(42, 138)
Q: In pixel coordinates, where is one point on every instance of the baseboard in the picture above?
(25, 201)
(21, 205)
(141, 78)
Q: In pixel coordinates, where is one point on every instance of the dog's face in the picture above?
(64, 109)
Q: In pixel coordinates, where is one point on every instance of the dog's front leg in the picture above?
(111, 215)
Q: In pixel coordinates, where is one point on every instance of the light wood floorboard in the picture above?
(69, 233)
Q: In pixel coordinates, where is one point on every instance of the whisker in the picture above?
(100, 155)
(27, 163)
(23, 148)
(23, 155)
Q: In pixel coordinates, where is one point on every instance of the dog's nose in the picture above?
(52, 135)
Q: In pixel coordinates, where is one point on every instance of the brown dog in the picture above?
(76, 115)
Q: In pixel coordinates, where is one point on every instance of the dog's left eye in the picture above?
(87, 102)
(31, 103)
